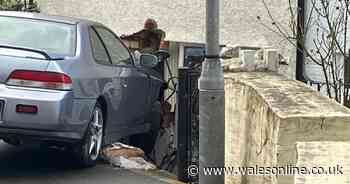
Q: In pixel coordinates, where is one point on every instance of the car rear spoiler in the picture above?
(43, 53)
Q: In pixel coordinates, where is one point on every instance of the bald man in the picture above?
(149, 37)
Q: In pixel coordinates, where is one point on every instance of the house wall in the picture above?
(314, 71)
(184, 21)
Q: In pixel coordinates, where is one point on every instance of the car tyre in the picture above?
(90, 148)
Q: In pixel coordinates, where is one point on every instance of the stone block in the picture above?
(248, 60)
(271, 59)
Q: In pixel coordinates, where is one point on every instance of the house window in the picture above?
(192, 51)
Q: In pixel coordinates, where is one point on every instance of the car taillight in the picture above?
(40, 79)
(28, 109)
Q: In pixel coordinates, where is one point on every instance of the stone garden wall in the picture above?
(273, 121)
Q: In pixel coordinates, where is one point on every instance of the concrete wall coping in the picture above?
(289, 98)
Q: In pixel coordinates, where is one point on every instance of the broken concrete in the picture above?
(253, 60)
(127, 157)
(164, 151)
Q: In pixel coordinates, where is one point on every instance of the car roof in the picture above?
(40, 16)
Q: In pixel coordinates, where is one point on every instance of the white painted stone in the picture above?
(248, 60)
(271, 58)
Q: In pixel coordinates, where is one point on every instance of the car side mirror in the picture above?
(148, 60)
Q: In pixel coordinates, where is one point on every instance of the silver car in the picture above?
(67, 81)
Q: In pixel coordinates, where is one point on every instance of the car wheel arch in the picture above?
(104, 106)
(102, 101)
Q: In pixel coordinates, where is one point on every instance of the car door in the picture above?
(110, 83)
(135, 81)
(156, 83)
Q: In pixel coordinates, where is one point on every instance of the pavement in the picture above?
(35, 165)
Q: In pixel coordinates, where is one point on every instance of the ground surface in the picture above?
(24, 165)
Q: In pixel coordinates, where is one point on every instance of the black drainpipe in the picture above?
(300, 65)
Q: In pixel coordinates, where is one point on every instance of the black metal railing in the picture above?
(334, 90)
(187, 122)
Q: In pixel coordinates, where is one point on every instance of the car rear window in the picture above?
(51, 37)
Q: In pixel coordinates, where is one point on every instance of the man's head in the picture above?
(150, 24)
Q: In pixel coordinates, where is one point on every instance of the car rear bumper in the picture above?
(60, 116)
(26, 135)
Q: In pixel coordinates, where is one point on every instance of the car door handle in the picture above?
(124, 83)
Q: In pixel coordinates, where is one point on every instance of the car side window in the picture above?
(119, 54)
(98, 49)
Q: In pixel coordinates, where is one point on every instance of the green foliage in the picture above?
(19, 5)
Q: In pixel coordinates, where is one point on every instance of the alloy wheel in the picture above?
(96, 134)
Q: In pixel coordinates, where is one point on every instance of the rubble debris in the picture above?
(261, 60)
(168, 117)
(127, 157)
(132, 163)
(164, 145)
(164, 151)
(122, 150)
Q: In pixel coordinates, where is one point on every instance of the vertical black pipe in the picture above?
(300, 66)
(346, 101)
